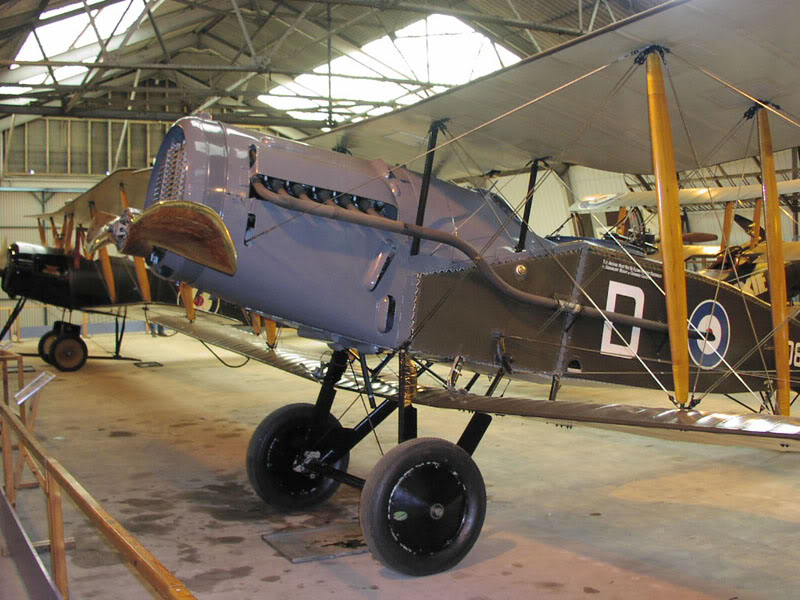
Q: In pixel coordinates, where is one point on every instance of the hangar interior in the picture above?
(91, 87)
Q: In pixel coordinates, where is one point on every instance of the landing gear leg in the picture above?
(288, 441)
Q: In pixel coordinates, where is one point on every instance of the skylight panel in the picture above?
(422, 51)
(75, 32)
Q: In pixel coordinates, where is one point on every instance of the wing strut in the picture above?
(433, 134)
(670, 225)
(775, 272)
(526, 215)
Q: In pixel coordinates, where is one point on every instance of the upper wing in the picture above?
(105, 196)
(686, 197)
(752, 45)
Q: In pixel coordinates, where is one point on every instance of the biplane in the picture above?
(743, 265)
(61, 274)
(370, 256)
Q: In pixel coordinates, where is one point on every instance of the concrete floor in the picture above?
(573, 513)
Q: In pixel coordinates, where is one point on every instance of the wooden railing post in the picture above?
(8, 464)
(55, 522)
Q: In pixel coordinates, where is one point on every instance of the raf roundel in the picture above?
(709, 317)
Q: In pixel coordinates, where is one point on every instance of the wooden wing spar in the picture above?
(750, 45)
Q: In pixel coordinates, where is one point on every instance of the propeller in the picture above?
(698, 237)
(105, 261)
(747, 225)
(138, 262)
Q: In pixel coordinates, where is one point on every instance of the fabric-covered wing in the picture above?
(753, 45)
(105, 196)
(686, 196)
(246, 344)
(756, 430)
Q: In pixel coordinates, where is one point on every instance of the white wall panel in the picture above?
(550, 204)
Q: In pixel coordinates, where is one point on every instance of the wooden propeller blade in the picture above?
(141, 269)
(123, 197)
(69, 227)
(54, 230)
(698, 237)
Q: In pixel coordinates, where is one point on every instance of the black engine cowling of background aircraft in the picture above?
(50, 276)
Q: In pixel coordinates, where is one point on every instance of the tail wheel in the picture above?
(422, 507)
(68, 353)
(45, 343)
(275, 456)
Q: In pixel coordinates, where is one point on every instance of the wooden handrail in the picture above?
(149, 567)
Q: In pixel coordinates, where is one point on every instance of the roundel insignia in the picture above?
(709, 316)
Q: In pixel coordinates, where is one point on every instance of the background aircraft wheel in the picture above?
(278, 445)
(422, 506)
(45, 343)
(68, 353)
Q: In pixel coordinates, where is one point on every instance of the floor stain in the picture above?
(228, 539)
(231, 501)
(115, 434)
(548, 585)
(205, 582)
(271, 578)
(590, 590)
(153, 504)
(188, 554)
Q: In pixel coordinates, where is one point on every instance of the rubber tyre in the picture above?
(422, 507)
(68, 353)
(45, 343)
(278, 440)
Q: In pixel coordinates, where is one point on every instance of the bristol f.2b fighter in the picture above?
(378, 258)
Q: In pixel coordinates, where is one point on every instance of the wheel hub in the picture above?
(427, 508)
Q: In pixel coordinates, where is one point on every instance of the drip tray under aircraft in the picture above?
(305, 545)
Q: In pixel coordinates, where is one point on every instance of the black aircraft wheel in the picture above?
(422, 507)
(275, 455)
(45, 343)
(68, 353)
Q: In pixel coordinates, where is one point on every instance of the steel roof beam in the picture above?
(454, 12)
(166, 116)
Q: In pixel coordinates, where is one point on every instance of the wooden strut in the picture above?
(727, 225)
(669, 219)
(776, 270)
